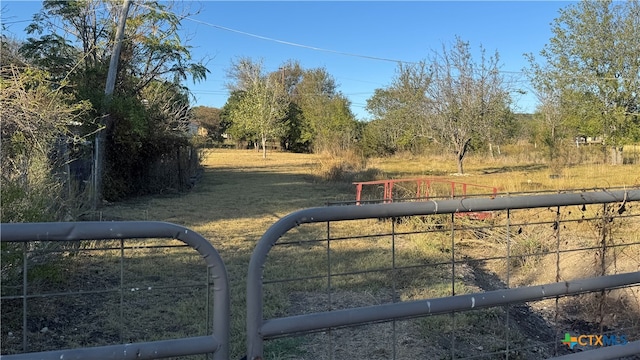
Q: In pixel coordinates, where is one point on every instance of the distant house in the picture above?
(595, 140)
(194, 129)
(588, 140)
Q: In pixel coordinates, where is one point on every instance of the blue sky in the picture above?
(354, 32)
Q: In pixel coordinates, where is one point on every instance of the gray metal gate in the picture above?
(217, 342)
(559, 210)
(260, 329)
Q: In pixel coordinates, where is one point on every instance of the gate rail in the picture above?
(216, 343)
(260, 329)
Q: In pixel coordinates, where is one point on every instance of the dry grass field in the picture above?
(240, 195)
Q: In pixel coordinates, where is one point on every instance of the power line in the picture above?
(261, 37)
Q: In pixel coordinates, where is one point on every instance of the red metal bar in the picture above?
(388, 191)
(427, 182)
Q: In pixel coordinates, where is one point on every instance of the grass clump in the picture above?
(347, 166)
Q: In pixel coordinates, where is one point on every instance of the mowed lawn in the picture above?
(240, 195)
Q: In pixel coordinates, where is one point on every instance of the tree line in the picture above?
(586, 81)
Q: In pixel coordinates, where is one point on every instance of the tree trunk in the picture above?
(264, 147)
(462, 151)
(101, 138)
(460, 157)
(616, 155)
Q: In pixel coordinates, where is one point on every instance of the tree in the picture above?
(402, 110)
(212, 120)
(73, 39)
(152, 47)
(168, 107)
(263, 103)
(236, 131)
(592, 59)
(552, 124)
(327, 121)
(467, 98)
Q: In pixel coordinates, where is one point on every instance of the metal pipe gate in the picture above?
(260, 329)
(217, 342)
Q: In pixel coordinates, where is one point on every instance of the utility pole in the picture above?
(99, 149)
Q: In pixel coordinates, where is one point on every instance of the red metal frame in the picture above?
(389, 183)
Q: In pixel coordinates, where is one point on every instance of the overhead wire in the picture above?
(520, 74)
(284, 42)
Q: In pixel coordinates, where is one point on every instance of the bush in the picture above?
(36, 130)
(142, 156)
(348, 166)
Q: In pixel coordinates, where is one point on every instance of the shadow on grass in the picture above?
(227, 194)
(103, 299)
(239, 202)
(513, 168)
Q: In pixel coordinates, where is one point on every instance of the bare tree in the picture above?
(549, 110)
(469, 99)
(35, 117)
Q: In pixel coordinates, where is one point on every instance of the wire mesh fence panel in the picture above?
(431, 280)
(66, 292)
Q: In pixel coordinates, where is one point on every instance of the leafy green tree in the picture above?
(73, 40)
(292, 140)
(401, 110)
(236, 131)
(53, 49)
(263, 104)
(309, 114)
(152, 48)
(377, 140)
(327, 121)
(592, 60)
